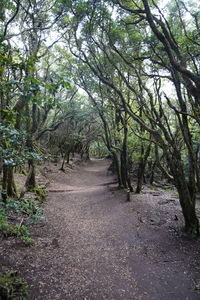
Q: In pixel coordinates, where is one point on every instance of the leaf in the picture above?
(67, 85)
(49, 87)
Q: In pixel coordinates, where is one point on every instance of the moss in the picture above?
(169, 188)
(19, 186)
(175, 194)
(154, 188)
(13, 287)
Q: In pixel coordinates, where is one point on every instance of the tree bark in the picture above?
(30, 180)
(117, 163)
(11, 187)
(8, 183)
(141, 168)
(186, 197)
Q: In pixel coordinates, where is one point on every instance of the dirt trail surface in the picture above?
(96, 245)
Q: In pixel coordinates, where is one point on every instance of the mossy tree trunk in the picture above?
(30, 180)
(187, 196)
(117, 164)
(8, 183)
(142, 167)
(125, 172)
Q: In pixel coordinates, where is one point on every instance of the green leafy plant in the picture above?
(40, 192)
(21, 231)
(29, 206)
(12, 147)
(13, 287)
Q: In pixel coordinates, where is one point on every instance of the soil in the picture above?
(96, 245)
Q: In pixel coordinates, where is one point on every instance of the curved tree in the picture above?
(112, 50)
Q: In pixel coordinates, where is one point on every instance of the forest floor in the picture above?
(96, 245)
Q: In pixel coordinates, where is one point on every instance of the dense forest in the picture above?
(117, 79)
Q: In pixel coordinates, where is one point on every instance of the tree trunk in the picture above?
(30, 181)
(141, 168)
(87, 152)
(153, 167)
(63, 162)
(117, 163)
(140, 177)
(8, 183)
(188, 209)
(11, 187)
(68, 156)
(187, 199)
(124, 168)
(197, 169)
(198, 181)
(1, 165)
(129, 183)
(125, 172)
(4, 183)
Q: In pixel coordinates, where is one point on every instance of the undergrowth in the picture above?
(15, 217)
(13, 287)
(7, 229)
(28, 209)
(175, 195)
(40, 192)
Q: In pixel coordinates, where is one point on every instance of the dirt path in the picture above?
(97, 246)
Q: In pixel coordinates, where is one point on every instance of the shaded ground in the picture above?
(96, 245)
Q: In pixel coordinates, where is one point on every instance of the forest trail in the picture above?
(97, 246)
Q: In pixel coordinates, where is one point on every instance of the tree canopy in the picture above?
(103, 77)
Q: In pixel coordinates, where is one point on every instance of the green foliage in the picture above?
(13, 287)
(3, 217)
(41, 193)
(154, 188)
(98, 149)
(29, 206)
(12, 147)
(175, 194)
(119, 59)
(21, 231)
